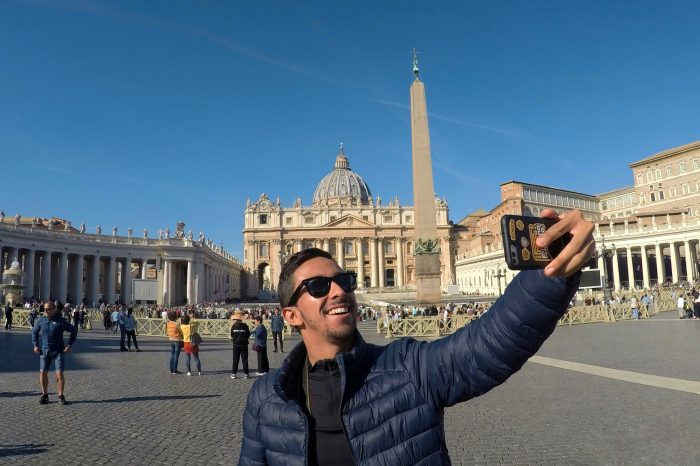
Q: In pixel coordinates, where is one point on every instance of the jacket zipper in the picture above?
(341, 365)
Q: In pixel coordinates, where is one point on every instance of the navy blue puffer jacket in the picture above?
(394, 396)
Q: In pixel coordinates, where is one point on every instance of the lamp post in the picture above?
(498, 274)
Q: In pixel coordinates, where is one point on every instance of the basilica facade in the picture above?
(364, 234)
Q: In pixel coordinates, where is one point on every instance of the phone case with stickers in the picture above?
(519, 234)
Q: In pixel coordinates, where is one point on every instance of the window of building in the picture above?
(365, 218)
(672, 192)
(681, 167)
(308, 219)
(409, 248)
(547, 198)
(388, 247)
(658, 174)
(642, 199)
(697, 185)
(262, 250)
(348, 247)
(333, 217)
(388, 218)
(640, 179)
(409, 218)
(652, 197)
(577, 202)
(686, 188)
(603, 205)
(526, 194)
(696, 164)
(560, 199)
(669, 171)
(650, 177)
(288, 220)
(661, 195)
(262, 219)
(540, 196)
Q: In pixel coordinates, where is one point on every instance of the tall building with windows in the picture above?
(365, 234)
(646, 233)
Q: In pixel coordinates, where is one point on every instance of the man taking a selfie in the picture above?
(337, 400)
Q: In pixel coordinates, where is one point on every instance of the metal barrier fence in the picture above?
(208, 328)
(438, 326)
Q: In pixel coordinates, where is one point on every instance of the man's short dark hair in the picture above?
(285, 286)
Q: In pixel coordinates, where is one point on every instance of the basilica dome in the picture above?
(342, 185)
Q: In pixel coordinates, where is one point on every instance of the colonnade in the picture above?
(645, 265)
(376, 264)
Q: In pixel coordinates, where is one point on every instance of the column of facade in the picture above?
(2, 260)
(78, 288)
(199, 282)
(29, 259)
(674, 263)
(374, 281)
(360, 263)
(399, 262)
(660, 266)
(689, 262)
(326, 245)
(380, 262)
(45, 293)
(645, 268)
(616, 270)
(126, 281)
(166, 282)
(298, 245)
(111, 280)
(62, 277)
(341, 253)
(94, 294)
(630, 268)
(144, 268)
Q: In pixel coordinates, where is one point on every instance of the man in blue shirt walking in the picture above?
(276, 326)
(47, 339)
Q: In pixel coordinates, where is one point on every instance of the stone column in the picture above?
(326, 245)
(616, 270)
(190, 289)
(46, 276)
(630, 269)
(645, 268)
(126, 281)
(78, 288)
(399, 262)
(166, 282)
(660, 266)
(298, 245)
(144, 268)
(94, 295)
(111, 279)
(199, 280)
(341, 253)
(374, 282)
(689, 262)
(360, 263)
(674, 263)
(380, 263)
(62, 277)
(29, 259)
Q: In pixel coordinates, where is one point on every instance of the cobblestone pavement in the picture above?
(127, 409)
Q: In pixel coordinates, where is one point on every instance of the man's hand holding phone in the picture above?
(579, 250)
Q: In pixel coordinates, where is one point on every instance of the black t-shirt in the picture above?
(328, 444)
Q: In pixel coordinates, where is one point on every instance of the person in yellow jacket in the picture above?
(174, 333)
(189, 326)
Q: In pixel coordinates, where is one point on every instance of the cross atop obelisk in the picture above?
(427, 245)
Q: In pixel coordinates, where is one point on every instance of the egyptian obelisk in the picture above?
(427, 246)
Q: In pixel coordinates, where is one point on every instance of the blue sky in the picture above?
(144, 113)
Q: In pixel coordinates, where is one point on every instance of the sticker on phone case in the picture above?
(526, 254)
(520, 225)
(538, 254)
(511, 229)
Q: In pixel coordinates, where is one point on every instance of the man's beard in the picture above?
(342, 334)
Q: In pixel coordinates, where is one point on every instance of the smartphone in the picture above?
(519, 248)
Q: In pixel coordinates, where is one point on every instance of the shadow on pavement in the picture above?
(144, 398)
(17, 394)
(23, 449)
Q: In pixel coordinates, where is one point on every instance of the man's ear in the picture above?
(292, 316)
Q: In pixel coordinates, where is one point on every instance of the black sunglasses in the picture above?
(321, 286)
